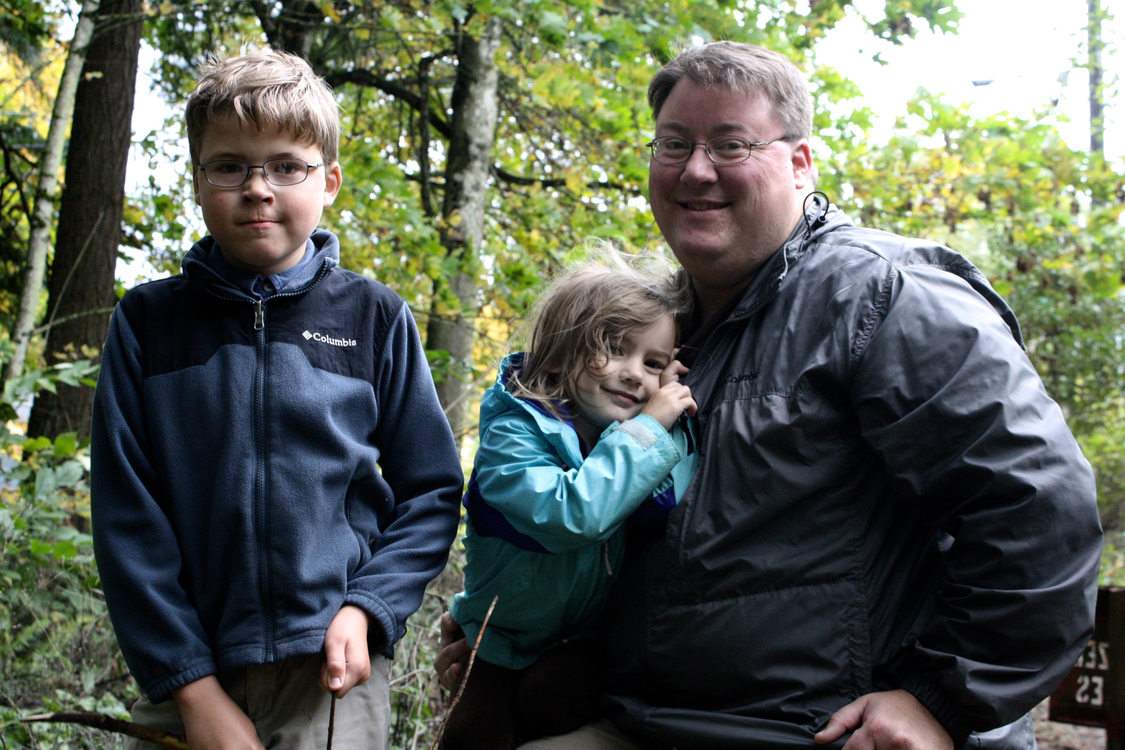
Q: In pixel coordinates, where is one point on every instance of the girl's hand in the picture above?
(673, 398)
(672, 372)
(453, 655)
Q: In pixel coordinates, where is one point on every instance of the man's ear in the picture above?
(804, 173)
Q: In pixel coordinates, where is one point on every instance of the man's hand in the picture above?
(453, 653)
(212, 720)
(893, 720)
(347, 662)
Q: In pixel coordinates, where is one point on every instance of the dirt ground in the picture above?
(1053, 735)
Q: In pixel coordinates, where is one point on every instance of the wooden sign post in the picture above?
(1093, 692)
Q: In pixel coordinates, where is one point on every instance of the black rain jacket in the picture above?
(886, 498)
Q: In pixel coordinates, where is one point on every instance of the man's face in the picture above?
(724, 222)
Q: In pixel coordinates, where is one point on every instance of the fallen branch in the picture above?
(111, 724)
(465, 678)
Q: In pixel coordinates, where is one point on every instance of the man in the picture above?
(892, 539)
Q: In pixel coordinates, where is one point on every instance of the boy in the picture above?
(249, 546)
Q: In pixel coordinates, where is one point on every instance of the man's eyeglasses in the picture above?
(723, 149)
(280, 172)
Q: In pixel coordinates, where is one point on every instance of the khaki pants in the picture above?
(289, 709)
(601, 735)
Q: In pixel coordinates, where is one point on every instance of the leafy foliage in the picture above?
(30, 66)
(1043, 221)
(568, 160)
(56, 645)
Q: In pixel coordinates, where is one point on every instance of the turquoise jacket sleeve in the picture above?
(547, 491)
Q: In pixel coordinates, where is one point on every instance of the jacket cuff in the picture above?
(162, 690)
(938, 703)
(381, 636)
(644, 429)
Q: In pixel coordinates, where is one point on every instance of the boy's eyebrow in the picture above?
(238, 156)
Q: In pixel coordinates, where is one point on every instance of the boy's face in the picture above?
(261, 227)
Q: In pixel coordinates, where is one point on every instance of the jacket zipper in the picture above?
(260, 483)
(259, 421)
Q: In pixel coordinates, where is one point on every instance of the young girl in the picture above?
(578, 435)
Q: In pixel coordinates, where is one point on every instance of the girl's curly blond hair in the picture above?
(588, 310)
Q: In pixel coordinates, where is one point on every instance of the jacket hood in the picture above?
(822, 223)
(498, 401)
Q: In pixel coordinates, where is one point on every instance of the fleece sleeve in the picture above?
(420, 463)
(949, 400)
(138, 558)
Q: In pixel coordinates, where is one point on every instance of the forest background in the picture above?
(484, 144)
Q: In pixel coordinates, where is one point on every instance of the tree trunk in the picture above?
(81, 285)
(466, 177)
(1094, 45)
(39, 236)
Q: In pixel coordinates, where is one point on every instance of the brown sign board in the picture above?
(1093, 692)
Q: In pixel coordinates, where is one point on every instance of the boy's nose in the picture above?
(256, 182)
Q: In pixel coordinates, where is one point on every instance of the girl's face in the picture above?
(618, 389)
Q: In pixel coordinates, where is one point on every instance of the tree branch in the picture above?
(111, 724)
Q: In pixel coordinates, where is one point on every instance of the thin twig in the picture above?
(465, 678)
(331, 719)
(112, 724)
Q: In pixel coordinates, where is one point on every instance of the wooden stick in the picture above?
(468, 670)
(111, 724)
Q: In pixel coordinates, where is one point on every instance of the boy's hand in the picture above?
(347, 662)
(673, 398)
(212, 720)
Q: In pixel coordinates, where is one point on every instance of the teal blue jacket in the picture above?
(546, 519)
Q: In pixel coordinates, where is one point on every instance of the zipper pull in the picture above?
(259, 315)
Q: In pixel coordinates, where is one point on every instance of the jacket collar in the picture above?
(326, 256)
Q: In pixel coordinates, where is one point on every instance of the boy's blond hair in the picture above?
(269, 89)
(585, 313)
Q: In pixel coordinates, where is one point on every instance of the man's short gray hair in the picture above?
(741, 67)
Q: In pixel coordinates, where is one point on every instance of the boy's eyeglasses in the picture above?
(280, 172)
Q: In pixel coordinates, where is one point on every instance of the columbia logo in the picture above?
(315, 336)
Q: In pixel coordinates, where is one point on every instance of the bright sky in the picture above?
(1027, 50)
